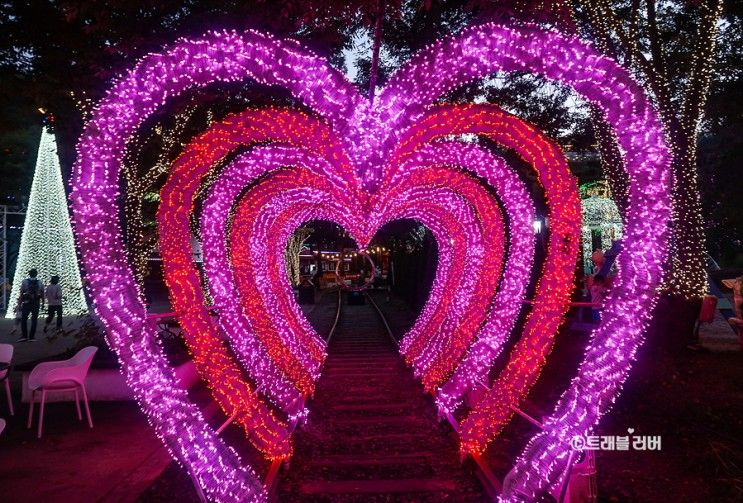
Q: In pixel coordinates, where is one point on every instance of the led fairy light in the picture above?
(514, 197)
(139, 185)
(189, 64)
(251, 229)
(473, 295)
(441, 298)
(258, 223)
(554, 287)
(254, 210)
(599, 213)
(276, 265)
(212, 358)
(681, 111)
(46, 241)
(367, 132)
(444, 350)
(250, 264)
(215, 214)
(453, 275)
(174, 230)
(572, 62)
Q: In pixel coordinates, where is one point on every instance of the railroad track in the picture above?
(372, 433)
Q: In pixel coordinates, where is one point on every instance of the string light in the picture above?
(140, 186)
(221, 198)
(291, 254)
(598, 213)
(355, 142)
(212, 357)
(46, 241)
(555, 285)
(680, 109)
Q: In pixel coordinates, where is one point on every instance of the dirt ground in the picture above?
(695, 402)
(692, 400)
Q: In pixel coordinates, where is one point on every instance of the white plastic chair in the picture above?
(6, 355)
(67, 375)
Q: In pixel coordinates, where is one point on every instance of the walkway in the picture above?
(372, 434)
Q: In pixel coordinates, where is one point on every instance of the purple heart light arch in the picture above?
(361, 149)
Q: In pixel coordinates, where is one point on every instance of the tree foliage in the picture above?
(61, 56)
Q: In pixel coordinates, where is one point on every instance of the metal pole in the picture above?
(5, 257)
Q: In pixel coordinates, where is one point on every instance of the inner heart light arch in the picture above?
(471, 301)
(213, 359)
(553, 291)
(215, 215)
(370, 131)
(253, 212)
(223, 191)
(520, 211)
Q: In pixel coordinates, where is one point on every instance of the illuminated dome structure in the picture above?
(601, 221)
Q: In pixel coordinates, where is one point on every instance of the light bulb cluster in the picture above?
(215, 217)
(367, 165)
(47, 244)
(439, 348)
(599, 213)
(555, 285)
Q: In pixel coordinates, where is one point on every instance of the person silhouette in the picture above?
(30, 301)
(53, 295)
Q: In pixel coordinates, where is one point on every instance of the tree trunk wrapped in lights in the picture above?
(291, 254)
(680, 102)
(142, 186)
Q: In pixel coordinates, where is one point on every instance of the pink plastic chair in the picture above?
(67, 375)
(6, 355)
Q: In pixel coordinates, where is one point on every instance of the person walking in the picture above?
(31, 300)
(53, 295)
(599, 291)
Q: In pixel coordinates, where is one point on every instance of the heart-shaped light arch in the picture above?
(508, 132)
(369, 130)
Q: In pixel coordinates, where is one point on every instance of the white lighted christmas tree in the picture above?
(46, 243)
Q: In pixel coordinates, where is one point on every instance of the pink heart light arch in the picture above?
(363, 147)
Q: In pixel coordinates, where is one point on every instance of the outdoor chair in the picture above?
(67, 375)
(6, 355)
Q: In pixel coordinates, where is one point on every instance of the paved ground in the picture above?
(43, 347)
(677, 398)
(114, 462)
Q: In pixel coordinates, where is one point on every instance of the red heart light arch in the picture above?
(379, 161)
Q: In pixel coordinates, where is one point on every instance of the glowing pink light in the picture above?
(368, 132)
